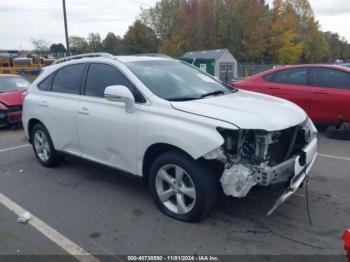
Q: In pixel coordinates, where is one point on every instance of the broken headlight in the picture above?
(309, 130)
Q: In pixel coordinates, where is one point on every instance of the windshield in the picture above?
(176, 81)
(12, 83)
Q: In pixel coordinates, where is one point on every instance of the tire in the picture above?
(342, 133)
(51, 158)
(188, 199)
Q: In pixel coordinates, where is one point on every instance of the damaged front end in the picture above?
(259, 157)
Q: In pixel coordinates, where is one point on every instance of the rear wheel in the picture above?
(43, 147)
(182, 188)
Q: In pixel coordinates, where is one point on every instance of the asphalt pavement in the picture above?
(106, 212)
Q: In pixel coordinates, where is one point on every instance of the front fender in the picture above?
(196, 135)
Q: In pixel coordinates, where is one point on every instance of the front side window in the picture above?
(174, 80)
(68, 79)
(328, 77)
(289, 76)
(101, 76)
(12, 83)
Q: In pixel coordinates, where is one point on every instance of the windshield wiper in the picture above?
(183, 98)
(214, 93)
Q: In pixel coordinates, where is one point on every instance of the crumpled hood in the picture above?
(247, 110)
(13, 98)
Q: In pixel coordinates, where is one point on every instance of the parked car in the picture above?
(12, 88)
(323, 91)
(346, 65)
(162, 119)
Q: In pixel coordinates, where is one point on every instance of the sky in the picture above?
(22, 20)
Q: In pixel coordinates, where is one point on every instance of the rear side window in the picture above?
(46, 84)
(289, 76)
(101, 75)
(68, 79)
(328, 77)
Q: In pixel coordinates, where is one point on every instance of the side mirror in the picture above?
(120, 93)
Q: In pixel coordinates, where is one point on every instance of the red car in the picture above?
(12, 88)
(323, 91)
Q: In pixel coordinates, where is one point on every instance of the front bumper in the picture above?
(7, 117)
(302, 165)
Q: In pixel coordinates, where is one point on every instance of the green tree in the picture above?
(94, 42)
(57, 48)
(140, 39)
(112, 44)
(78, 45)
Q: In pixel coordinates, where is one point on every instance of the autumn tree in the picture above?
(140, 39)
(165, 18)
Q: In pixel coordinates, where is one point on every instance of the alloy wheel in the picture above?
(42, 146)
(175, 189)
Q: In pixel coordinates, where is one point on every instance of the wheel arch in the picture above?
(155, 150)
(31, 123)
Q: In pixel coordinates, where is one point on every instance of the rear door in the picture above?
(107, 133)
(330, 101)
(290, 84)
(57, 106)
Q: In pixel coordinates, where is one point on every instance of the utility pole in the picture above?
(65, 26)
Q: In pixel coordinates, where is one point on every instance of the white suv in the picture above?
(185, 132)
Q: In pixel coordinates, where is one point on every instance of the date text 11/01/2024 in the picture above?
(173, 258)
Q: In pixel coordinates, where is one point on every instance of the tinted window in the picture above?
(46, 84)
(289, 76)
(100, 76)
(269, 77)
(68, 79)
(327, 77)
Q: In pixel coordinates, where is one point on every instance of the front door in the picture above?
(107, 133)
(290, 84)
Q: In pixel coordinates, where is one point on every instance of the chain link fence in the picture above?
(245, 70)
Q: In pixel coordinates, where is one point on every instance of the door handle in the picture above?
(84, 111)
(274, 88)
(320, 93)
(43, 104)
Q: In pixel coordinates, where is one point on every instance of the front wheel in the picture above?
(43, 147)
(182, 188)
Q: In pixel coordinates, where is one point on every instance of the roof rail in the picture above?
(68, 58)
(154, 55)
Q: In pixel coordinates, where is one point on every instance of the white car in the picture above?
(185, 132)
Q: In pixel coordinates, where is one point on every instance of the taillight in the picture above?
(24, 94)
